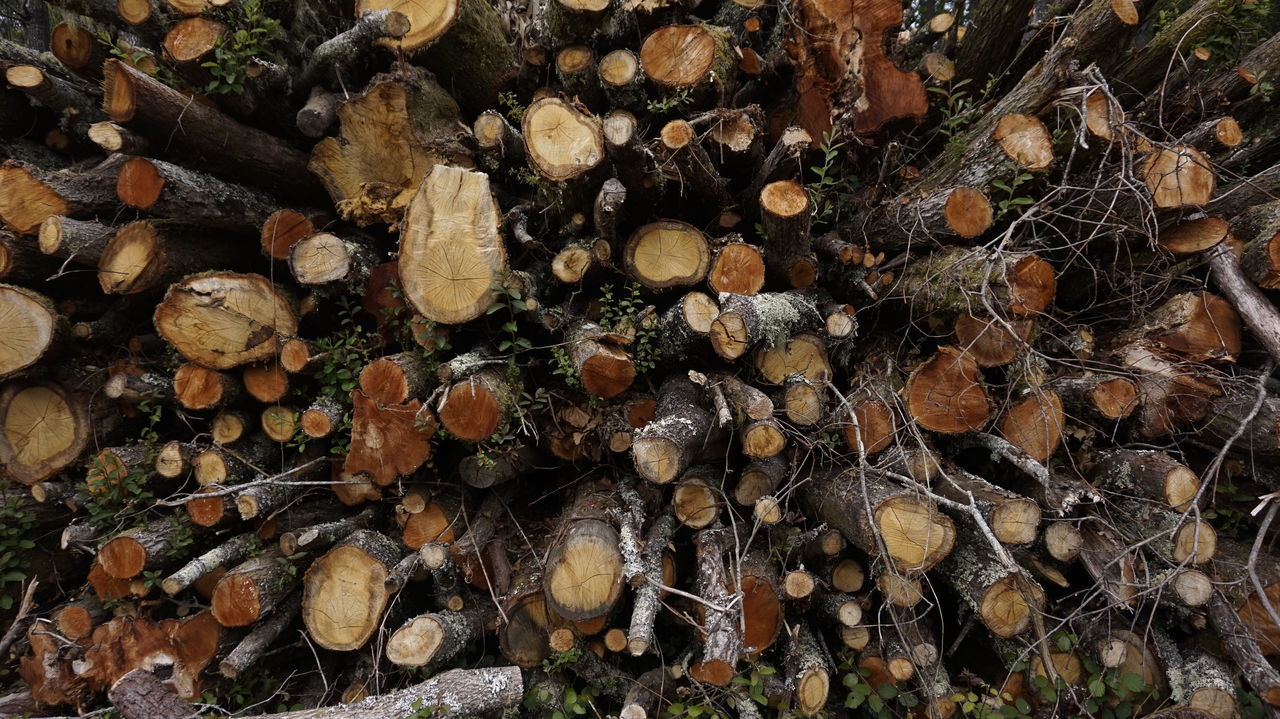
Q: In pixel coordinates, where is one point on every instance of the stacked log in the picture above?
(640, 359)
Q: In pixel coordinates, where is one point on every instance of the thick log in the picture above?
(189, 196)
(721, 642)
(1149, 473)
(29, 194)
(667, 446)
(832, 87)
(434, 639)
(225, 320)
(746, 321)
(388, 441)
(46, 428)
(667, 253)
(390, 137)
(224, 146)
(946, 394)
(446, 275)
(959, 280)
(913, 533)
(697, 58)
(1005, 600)
(583, 578)
(562, 140)
(254, 589)
(344, 591)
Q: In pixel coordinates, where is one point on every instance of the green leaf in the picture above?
(1097, 688)
(1132, 682)
(887, 691)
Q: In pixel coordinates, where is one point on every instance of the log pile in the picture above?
(629, 359)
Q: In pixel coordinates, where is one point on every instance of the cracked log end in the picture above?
(451, 253)
(667, 253)
(562, 140)
(221, 320)
(1178, 177)
(678, 55)
(133, 261)
(43, 428)
(30, 327)
(990, 342)
(584, 571)
(946, 393)
(25, 201)
(916, 535)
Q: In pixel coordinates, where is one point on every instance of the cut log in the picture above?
(606, 370)
(667, 254)
(687, 164)
(388, 441)
(952, 212)
(148, 546)
(30, 195)
(737, 268)
(473, 408)
(946, 394)
(563, 141)
(445, 278)
(683, 328)
(170, 190)
(913, 532)
(344, 591)
(693, 57)
(1013, 519)
(1172, 537)
(1198, 326)
(1148, 473)
(667, 446)
(1107, 397)
(844, 76)
(1004, 600)
(961, 280)
(140, 102)
(1035, 424)
(282, 230)
(694, 500)
(78, 241)
(804, 354)
(992, 342)
(721, 642)
(224, 320)
(583, 579)
(43, 429)
(255, 588)
(434, 639)
(32, 327)
(1178, 177)
(747, 321)
(390, 137)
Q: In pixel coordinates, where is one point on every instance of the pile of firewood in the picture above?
(640, 358)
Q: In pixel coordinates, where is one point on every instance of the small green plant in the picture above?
(1013, 200)
(670, 101)
(564, 368)
(253, 35)
(421, 710)
(832, 190)
(753, 683)
(1234, 27)
(959, 110)
(180, 535)
(514, 109)
(111, 490)
(510, 299)
(16, 525)
(561, 659)
(344, 353)
(625, 313)
(685, 710)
